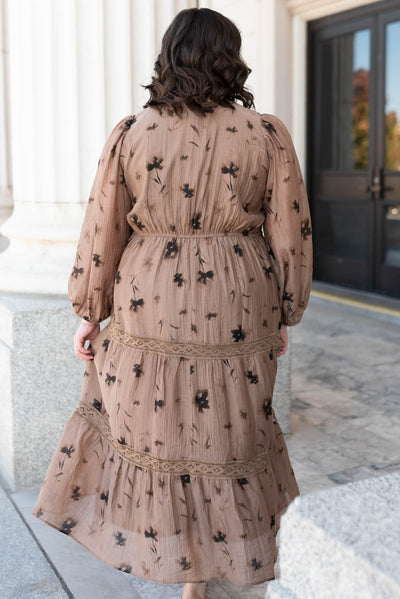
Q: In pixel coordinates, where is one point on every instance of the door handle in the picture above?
(377, 185)
(376, 188)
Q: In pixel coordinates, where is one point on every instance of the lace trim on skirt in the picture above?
(142, 459)
(197, 350)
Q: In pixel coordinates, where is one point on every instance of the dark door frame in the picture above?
(367, 16)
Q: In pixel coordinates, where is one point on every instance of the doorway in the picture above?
(354, 146)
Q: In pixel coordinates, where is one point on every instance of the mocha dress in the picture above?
(196, 242)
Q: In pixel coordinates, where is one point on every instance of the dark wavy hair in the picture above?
(200, 65)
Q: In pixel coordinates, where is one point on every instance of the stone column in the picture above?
(6, 204)
(61, 112)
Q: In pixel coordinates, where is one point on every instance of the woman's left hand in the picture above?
(86, 331)
(284, 339)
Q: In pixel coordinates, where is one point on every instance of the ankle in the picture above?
(195, 590)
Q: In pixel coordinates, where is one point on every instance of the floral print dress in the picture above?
(196, 242)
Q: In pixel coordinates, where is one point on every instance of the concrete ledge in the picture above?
(40, 383)
(342, 542)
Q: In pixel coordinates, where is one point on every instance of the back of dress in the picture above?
(173, 466)
(172, 233)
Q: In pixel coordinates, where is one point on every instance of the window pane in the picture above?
(392, 97)
(391, 235)
(342, 229)
(345, 73)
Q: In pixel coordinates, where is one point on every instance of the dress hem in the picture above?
(152, 579)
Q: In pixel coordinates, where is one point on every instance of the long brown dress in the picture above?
(173, 466)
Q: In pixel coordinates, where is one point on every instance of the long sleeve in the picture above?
(287, 225)
(104, 234)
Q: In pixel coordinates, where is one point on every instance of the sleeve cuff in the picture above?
(87, 321)
(291, 322)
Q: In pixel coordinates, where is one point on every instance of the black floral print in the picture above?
(178, 278)
(110, 378)
(120, 539)
(256, 564)
(130, 121)
(151, 534)
(97, 404)
(158, 403)
(185, 564)
(203, 276)
(196, 224)
(155, 164)
(252, 377)
(187, 190)
(104, 497)
(267, 407)
(171, 249)
(68, 450)
(125, 568)
(185, 478)
(238, 334)
(201, 400)
(305, 228)
(232, 171)
(219, 537)
(75, 493)
(242, 481)
(296, 206)
(136, 303)
(67, 526)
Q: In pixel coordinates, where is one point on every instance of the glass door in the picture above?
(388, 177)
(354, 168)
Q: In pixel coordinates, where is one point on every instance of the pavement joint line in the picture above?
(350, 302)
(46, 555)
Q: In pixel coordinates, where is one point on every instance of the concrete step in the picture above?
(24, 570)
(276, 590)
(342, 543)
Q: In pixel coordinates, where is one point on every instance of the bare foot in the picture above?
(194, 590)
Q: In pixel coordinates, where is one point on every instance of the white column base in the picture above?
(41, 250)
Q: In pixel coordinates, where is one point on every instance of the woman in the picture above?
(173, 466)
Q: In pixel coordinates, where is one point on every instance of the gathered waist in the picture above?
(195, 235)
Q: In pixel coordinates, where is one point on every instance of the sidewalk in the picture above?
(345, 427)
